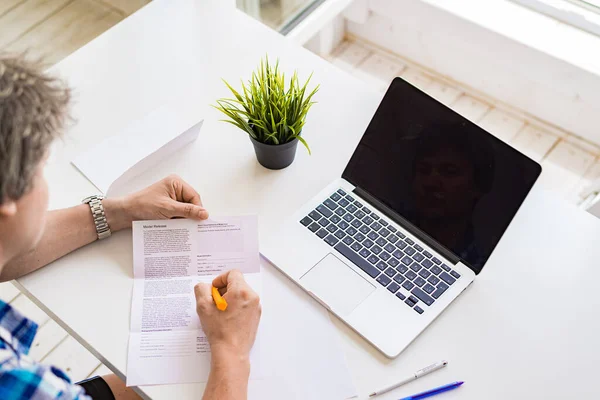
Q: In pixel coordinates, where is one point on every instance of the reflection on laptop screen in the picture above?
(450, 178)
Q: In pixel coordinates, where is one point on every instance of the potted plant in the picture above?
(271, 114)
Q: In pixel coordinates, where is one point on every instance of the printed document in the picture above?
(166, 342)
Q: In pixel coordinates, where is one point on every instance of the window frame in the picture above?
(577, 13)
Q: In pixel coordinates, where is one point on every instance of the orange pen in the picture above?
(220, 302)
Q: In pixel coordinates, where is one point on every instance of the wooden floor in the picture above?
(55, 28)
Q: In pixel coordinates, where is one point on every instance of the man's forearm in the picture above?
(66, 230)
(228, 379)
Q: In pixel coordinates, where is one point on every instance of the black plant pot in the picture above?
(275, 156)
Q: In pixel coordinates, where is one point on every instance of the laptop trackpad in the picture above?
(337, 285)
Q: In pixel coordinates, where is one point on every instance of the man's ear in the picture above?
(8, 208)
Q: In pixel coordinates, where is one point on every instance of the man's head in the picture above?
(33, 110)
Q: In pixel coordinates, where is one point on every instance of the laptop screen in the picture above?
(454, 181)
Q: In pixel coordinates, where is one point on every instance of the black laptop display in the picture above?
(453, 181)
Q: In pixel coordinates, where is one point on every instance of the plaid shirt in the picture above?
(20, 376)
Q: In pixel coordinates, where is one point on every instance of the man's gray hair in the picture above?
(33, 112)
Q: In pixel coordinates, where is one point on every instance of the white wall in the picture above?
(539, 84)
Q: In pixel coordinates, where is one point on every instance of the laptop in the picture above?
(415, 216)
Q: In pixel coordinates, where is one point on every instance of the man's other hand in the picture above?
(230, 333)
(171, 197)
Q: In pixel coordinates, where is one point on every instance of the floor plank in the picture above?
(501, 124)
(563, 168)
(417, 78)
(443, 93)
(8, 292)
(47, 338)
(127, 7)
(379, 70)
(100, 371)
(72, 358)
(534, 142)
(349, 55)
(470, 108)
(29, 309)
(67, 30)
(25, 16)
(6, 5)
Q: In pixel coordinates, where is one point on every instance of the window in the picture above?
(583, 14)
(281, 15)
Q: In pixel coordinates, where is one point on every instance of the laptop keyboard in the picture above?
(395, 261)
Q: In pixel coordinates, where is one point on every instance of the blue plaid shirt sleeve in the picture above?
(20, 376)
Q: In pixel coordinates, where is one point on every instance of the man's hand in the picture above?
(169, 198)
(231, 333)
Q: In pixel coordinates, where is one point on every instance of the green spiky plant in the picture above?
(265, 109)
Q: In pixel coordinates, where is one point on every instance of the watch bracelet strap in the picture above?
(99, 216)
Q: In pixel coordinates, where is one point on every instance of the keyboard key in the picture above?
(441, 288)
(447, 278)
(375, 217)
(349, 198)
(372, 235)
(323, 222)
(342, 225)
(418, 309)
(384, 280)
(424, 273)
(348, 218)
(350, 231)
(340, 211)
(402, 268)
(409, 241)
(358, 204)
(428, 288)
(413, 299)
(366, 210)
(306, 221)
(393, 262)
(335, 219)
(410, 275)
(419, 281)
(415, 267)
(376, 226)
(398, 254)
(314, 214)
(455, 274)
(418, 257)
(409, 301)
(393, 238)
(384, 232)
(348, 240)
(314, 227)
(406, 260)
(367, 220)
(421, 295)
(340, 234)
(427, 254)
(390, 272)
(436, 261)
(400, 235)
(356, 246)
(359, 214)
(364, 230)
(408, 285)
(341, 192)
(356, 223)
(324, 210)
(383, 223)
(385, 256)
(381, 242)
(446, 268)
(410, 251)
(433, 280)
(335, 197)
(389, 248)
(376, 249)
(351, 208)
(332, 228)
(392, 229)
(331, 240)
(427, 263)
(343, 202)
(381, 265)
(359, 262)
(419, 248)
(400, 295)
(373, 259)
(359, 237)
(365, 253)
(401, 244)
(367, 243)
(399, 278)
(436, 270)
(393, 287)
(330, 204)
(322, 233)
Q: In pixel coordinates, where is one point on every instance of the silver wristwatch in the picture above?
(95, 203)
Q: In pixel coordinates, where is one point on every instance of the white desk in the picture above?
(528, 325)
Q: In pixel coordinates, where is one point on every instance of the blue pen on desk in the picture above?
(433, 392)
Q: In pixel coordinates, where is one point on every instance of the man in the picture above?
(33, 111)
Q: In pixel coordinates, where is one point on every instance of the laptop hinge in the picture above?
(406, 224)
